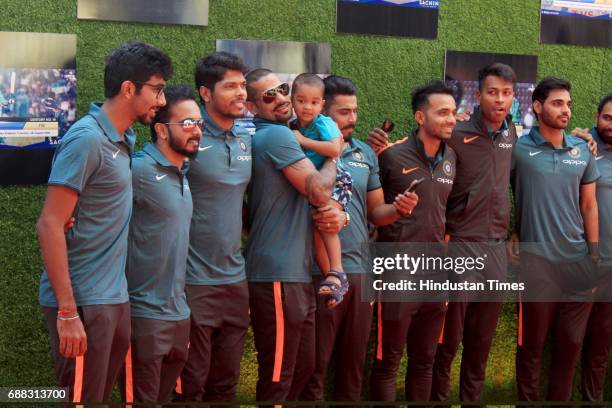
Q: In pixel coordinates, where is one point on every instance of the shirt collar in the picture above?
(418, 143)
(152, 150)
(96, 111)
(535, 136)
(212, 126)
(261, 123)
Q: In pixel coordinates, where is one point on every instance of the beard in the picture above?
(182, 148)
(551, 121)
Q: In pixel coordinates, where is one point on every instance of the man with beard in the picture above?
(478, 214)
(557, 225)
(279, 248)
(423, 156)
(598, 339)
(83, 290)
(157, 249)
(216, 289)
(348, 325)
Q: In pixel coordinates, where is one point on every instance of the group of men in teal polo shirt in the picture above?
(190, 290)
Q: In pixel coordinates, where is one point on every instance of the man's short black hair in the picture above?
(337, 85)
(307, 79)
(174, 94)
(254, 76)
(420, 95)
(606, 99)
(134, 61)
(210, 69)
(496, 69)
(543, 88)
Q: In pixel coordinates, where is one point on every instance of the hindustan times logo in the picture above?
(411, 264)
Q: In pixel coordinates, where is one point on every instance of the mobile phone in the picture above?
(414, 185)
(388, 126)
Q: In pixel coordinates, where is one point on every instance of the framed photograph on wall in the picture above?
(576, 22)
(38, 91)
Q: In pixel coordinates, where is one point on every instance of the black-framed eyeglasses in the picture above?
(158, 87)
(269, 95)
(188, 124)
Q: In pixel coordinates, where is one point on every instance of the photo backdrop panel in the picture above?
(400, 18)
(576, 22)
(461, 72)
(189, 12)
(38, 91)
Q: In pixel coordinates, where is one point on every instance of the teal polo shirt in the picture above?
(159, 237)
(95, 161)
(604, 198)
(279, 247)
(322, 129)
(547, 192)
(362, 164)
(218, 177)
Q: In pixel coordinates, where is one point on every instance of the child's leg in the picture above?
(329, 257)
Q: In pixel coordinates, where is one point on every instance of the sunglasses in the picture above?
(158, 87)
(188, 124)
(269, 95)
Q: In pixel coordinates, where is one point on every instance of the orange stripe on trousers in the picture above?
(441, 338)
(179, 384)
(78, 379)
(129, 384)
(380, 333)
(280, 332)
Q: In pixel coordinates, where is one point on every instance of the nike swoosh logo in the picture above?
(469, 139)
(116, 153)
(408, 171)
(598, 157)
(535, 153)
(204, 148)
(158, 177)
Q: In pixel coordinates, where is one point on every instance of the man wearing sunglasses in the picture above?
(158, 243)
(279, 248)
(217, 291)
(83, 290)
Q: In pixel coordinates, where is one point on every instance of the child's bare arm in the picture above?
(331, 148)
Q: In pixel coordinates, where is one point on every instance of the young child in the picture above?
(321, 139)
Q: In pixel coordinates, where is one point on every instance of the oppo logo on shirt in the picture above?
(444, 180)
(575, 162)
(505, 145)
(244, 158)
(362, 165)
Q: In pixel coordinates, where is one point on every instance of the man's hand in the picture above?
(404, 203)
(329, 218)
(463, 116)
(72, 338)
(378, 139)
(512, 248)
(584, 134)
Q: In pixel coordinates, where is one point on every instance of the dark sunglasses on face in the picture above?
(269, 95)
(188, 124)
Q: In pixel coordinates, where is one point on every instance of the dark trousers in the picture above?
(566, 320)
(415, 327)
(598, 341)
(283, 316)
(91, 377)
(157, 355)
(219, 322)
(472, 322)
(597, 344)
(347, 327)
